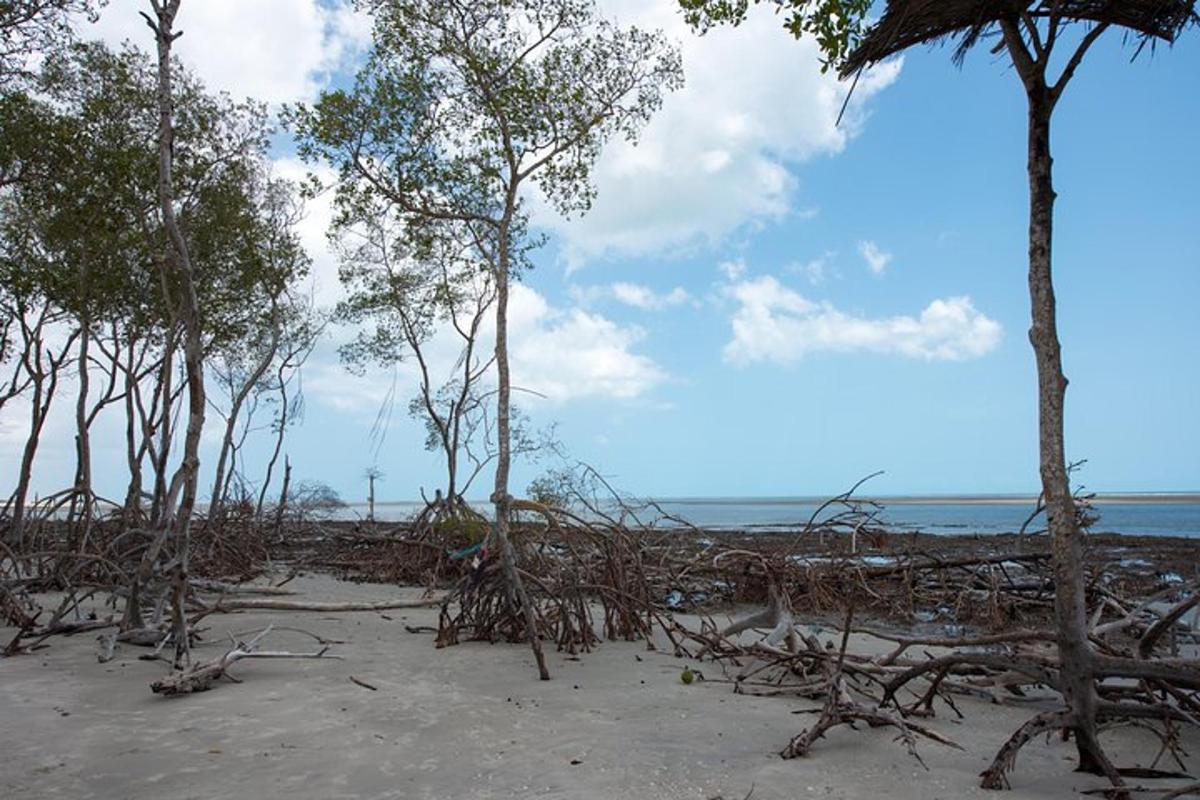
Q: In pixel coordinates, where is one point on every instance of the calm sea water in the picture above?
(1159, 515)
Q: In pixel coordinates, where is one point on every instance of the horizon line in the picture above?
(1149, 497)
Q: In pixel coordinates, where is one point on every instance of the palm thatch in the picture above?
(909, 22)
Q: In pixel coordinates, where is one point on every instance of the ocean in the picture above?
(1163, 514)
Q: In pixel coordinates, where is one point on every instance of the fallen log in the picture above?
(220, 587)
(269, 604)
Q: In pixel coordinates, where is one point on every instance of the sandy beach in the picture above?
(466, 721)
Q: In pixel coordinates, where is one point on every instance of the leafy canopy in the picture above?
(837, 26)
(461, 102)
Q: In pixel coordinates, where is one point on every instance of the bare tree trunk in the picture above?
(133, 451)
(283, 419)
(82, 500)
(179, 258)
(44, 378)
(371, 498)
(158, 509)
(39, 408)
(1077, 683)
(283, 495)
(235, 408)
(500, 496)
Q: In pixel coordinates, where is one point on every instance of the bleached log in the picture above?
(270, 604)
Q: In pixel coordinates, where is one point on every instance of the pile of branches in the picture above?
(81, 554)
(977, 613)
(978, 616)
(1142, 676)
(587, 579)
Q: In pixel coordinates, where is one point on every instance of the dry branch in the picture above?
(200, 677)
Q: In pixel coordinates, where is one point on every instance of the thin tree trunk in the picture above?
(179, 258)
(44, 377)
(239, 399)
(83, 448)
(133, 452)
(500, 496)
(43, 394)
(1075, 652)
(283, 417)
(283, 495)
(158, 505)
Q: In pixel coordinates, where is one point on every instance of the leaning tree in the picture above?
(1034, 34)
(462, 108)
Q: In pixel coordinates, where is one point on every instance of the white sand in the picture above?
(467, 721)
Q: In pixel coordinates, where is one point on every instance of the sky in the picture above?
(765, 303)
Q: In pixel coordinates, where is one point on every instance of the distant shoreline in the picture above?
(1102, 498)
(1147, 498)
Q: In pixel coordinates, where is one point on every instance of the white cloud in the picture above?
(776, 324)
(877, 260)
(817, 271)
(328, 382)
(313, 227)
(717, 156)
(560, 355)
(569, 355)
(276, 51)
(733, 269)
(632, 294)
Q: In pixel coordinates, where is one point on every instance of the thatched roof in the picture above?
(909, 22)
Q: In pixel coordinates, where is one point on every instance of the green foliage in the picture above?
(465, 528)
(460, 102)
(28, 27)
(837, 26)
(555, 488)
(314, 500)
(79, 215)
(461, 106)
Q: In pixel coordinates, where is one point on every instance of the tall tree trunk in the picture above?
(39, 408)
(133, 452)
(1075, 652)
(452, 465)
(161, 459)
(500, 495)
(81, 503)
(193, 354)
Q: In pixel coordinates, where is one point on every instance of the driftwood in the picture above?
(220, 587)
(267, 604)
(842, 709)
(200, 677)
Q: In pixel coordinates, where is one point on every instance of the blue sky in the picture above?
(768, 305)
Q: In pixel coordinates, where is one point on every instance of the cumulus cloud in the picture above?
(276, 51)
(313, 228)
(569, 355)
(877, 260)
(773, 323)
(330, 384)
(632, 294)
(559, 355)
(717, 155)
